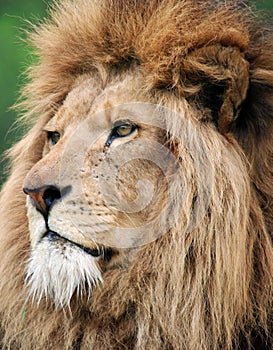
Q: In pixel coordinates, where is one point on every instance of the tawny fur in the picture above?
(212, 288)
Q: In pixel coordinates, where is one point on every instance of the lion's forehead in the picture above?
(98, 102)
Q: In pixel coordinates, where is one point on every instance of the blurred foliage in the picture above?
(16, 56)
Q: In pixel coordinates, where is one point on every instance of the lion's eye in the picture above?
(121, 129)
(124, 130)
(53, 137)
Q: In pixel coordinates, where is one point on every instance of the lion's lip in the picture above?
(54, 236)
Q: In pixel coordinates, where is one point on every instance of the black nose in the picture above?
(43, 197)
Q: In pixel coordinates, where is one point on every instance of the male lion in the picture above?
(138, 212)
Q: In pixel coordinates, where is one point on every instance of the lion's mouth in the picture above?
(56, 238)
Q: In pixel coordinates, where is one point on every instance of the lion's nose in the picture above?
(43, 197)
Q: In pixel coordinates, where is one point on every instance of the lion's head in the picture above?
(138, 213)
(87, 195)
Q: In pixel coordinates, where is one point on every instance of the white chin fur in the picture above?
(58, 272)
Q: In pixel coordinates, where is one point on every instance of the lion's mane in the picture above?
(211, 289)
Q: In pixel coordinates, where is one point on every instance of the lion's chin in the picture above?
(62, 242)
(59, 269)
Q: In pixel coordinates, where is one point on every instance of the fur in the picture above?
(210, 288)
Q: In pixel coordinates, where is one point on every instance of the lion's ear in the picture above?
(223, 75)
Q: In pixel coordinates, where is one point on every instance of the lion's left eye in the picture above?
(121, 130)
(124, 130)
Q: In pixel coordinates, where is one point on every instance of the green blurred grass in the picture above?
(15, 58)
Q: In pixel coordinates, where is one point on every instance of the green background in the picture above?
(16, 56)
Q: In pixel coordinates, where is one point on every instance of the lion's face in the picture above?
(97, 189)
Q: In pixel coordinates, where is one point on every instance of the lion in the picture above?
(138, 209)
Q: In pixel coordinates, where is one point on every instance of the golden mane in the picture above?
(211, 289)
